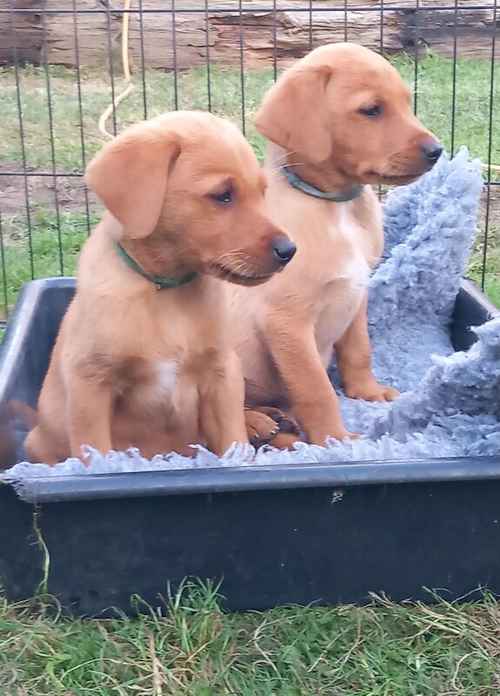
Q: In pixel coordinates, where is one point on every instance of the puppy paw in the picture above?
(285, 422)
(284, 441)
(261, 429)
(371, 391)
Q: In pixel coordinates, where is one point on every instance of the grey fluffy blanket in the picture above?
(450, 403)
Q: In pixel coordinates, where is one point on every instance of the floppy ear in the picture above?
(130, 177)
(293, 114)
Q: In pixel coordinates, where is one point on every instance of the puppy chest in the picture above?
(143, 383)
(354, 243)
(333, 321)
(165, 377)
(170, 384)
(355, 273)
(343, 290)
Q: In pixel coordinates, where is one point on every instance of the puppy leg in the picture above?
(89, 413)
(25, 413)
(222, 416)
(39, 447)
(312, 398)
(353, 354)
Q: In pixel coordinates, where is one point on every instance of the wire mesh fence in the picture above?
(73, 71)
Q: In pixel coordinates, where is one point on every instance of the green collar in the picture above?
(310, 190)
(161, 282)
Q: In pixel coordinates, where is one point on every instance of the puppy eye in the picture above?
(371, 111)
(226, 197)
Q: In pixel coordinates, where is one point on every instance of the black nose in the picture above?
(283, 248)
(432, 150)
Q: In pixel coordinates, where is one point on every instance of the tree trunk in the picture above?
(21, 34)
(98, 33)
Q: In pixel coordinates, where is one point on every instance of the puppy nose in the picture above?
(432, 150)
(283, 248)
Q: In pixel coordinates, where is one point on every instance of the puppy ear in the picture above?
(293, 113)
(130, 176)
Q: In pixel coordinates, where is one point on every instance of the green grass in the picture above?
(472, 102)
(434, 101)
(196, 649)
(96, 96)
(492, 264)
(54, 249)
(434, 106)
(378, 650)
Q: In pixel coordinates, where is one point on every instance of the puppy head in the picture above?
(346, 106)
(189, 181)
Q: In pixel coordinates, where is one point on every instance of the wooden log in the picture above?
(93, 34)
(99, 27)
(21, 33)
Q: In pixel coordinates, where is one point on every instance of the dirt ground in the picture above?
(71, 194)
(70, 190)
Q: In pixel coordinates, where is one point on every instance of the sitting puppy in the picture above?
(144, 357)
(338, 120)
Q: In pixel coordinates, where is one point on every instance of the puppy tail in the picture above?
(25, 413)
(9, 413)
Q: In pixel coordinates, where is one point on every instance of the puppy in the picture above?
(144, 357)
(339, 120)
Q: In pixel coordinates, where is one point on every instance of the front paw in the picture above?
(370, 390)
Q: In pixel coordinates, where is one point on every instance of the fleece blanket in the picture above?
(450, 402)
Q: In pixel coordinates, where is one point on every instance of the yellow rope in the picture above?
(126, 71)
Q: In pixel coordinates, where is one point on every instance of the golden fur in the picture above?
(155, 369)
(315, 118)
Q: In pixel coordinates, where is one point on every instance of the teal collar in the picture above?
(161, 282)
(310, 190)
